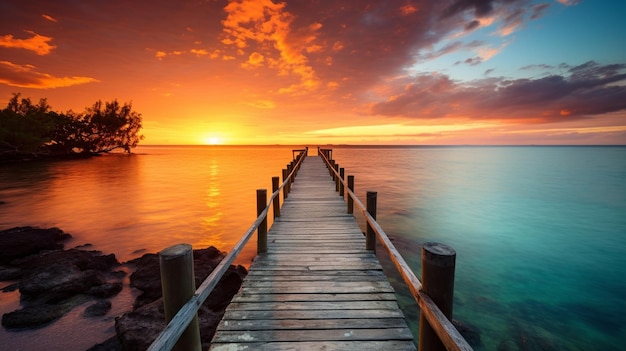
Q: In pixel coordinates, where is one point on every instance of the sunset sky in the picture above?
(329, 72)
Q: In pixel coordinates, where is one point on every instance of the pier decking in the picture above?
(316, 287)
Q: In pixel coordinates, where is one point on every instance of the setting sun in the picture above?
(213, 141)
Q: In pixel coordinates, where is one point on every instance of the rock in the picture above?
(227, 287)
(98, 309)
(52, 279)
(112, 344)
(58, 282)
(36, 315)
(10, 273)
(23, 241)
(33, 316)
(470, 333)
(105, 290)
(136, 330)
(147, 278)
(10, 287)
(84, 260)
(528, 337)
(118, 274)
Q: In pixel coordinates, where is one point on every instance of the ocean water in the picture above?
(540, 232)
(540, 235)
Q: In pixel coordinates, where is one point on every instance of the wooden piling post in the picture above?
(336, 177)
(350, 199)
(178, 285)
(438, 263)
(343, 177)
(276, 201)
(289, 169)
(370, 235)
(285, 192)
(261, 202)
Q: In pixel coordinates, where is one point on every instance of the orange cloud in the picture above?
(25, 76)
(254, 60)
(408, 9)
(265, 22)
(569, 2)
(38, 43)
(49, 18)
(487, 53)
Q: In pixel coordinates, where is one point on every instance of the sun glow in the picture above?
(212, 140)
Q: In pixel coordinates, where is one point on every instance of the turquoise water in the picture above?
(540, 232)
(540, 235)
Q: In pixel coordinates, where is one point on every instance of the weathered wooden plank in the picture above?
(314, 335)
(247, 297)
(310, 314)
(312, 305)
(308, 324)
(395, 345)
(313, 276)
(340, 288)
(325, 267)
(325, 259)
(315, 256)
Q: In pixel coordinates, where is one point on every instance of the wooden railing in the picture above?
(438, 332)
(182, 319)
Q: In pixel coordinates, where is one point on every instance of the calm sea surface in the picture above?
(540, 232)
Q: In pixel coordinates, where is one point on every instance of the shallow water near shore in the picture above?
(539, 232)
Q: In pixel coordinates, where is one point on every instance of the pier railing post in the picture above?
(276, 201)
(261, 202)
(438, 263)
(289, 170)
(336, 177)
(350, 199)
(343, 177)
(178, 285)
(370, 235)
(286, 187)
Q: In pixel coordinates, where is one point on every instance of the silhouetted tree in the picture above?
(25, 127)
(35, 129)
(103, 127)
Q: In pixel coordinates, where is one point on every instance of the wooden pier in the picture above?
(316, 287)
(316, 283)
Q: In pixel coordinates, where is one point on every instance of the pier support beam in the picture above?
(438, 263)
(286, 187)
(276, 201)
(370, 235)
(178, 285)
(342, 175)
(337, 182)
(261, 203)
(350, 199)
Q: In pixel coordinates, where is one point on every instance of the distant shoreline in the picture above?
(372, 146)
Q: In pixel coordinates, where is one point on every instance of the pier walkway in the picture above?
(316, 287)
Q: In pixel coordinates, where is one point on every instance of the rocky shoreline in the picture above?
(52, 281)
